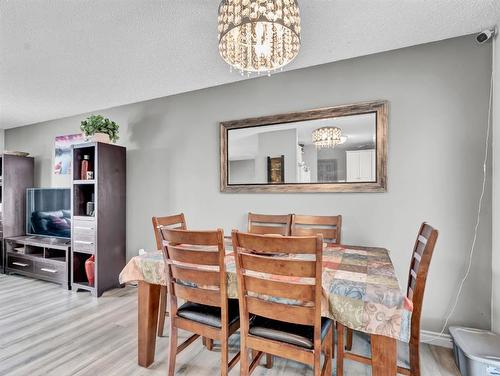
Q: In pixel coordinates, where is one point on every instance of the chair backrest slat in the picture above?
(202, 238)
(191, 255)
(199, 277)
(327, 233)
(417, 276)
(422, 240)
(197, 295)
(263, 230)
(281, 312)
(269, 224)
(298, 291)
(413, 274)
(266, 244)
(261, 264)
(309, 225)
(292, 268)
(426, 230)
(177, 221)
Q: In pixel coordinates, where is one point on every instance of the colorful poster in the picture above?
(62, 160)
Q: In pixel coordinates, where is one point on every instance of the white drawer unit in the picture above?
(84, 223)
(84, 246)
(84, 235)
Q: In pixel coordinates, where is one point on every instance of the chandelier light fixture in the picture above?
(259, 36)
(328, 137)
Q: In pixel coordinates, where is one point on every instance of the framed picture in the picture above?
(327, 170)
(276, 170)
(62, 151)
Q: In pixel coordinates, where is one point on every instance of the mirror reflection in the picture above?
(333, 150)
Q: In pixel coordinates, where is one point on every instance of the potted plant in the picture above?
(100, 129)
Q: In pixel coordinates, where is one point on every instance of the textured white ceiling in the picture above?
(64, 57)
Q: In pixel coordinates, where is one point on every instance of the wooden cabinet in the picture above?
(16, 174)
(98, 209)
(361, 166)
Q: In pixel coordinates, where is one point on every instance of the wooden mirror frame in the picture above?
(380, 108)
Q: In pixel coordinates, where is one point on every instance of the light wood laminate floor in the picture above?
(45, 330)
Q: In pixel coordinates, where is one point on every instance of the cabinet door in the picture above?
(366, 165)
(360, 165)
(353, 166)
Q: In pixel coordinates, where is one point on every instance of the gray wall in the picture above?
(339, 154)
(495, 296)
(268, 144)
(275, 144)
(242, 171)
(2, 140)
(311, 160)
(438, 95)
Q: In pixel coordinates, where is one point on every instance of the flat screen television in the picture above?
(48, 212)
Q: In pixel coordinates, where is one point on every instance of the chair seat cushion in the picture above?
(294, 334)
(208, 315)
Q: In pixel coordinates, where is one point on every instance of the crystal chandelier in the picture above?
(328, 137)
(259, 35)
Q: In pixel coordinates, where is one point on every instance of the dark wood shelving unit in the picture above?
(16, 175)
(101, 233)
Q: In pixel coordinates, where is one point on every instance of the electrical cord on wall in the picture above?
(480, 204)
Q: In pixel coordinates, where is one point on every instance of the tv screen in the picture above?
(48, 212)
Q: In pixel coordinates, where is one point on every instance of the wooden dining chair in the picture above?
(310, 225)
(284, 294)
(196, 273)
(269, 224)
(419, 268)
(330, 227)
(177, 221)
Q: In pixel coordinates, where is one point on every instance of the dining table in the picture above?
(360, 291)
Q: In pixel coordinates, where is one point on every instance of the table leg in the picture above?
(162, 314)
(384, 356)
(148, 303)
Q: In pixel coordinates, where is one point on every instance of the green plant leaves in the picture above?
(99, 124)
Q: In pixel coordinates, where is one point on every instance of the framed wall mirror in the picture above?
(335, 149)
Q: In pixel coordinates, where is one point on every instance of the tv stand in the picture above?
(39, 257)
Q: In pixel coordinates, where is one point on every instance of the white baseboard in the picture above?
(433, 338)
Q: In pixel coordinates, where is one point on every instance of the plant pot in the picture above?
(101, 137)
(90, 269)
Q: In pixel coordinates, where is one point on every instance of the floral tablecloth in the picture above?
(360, 288)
